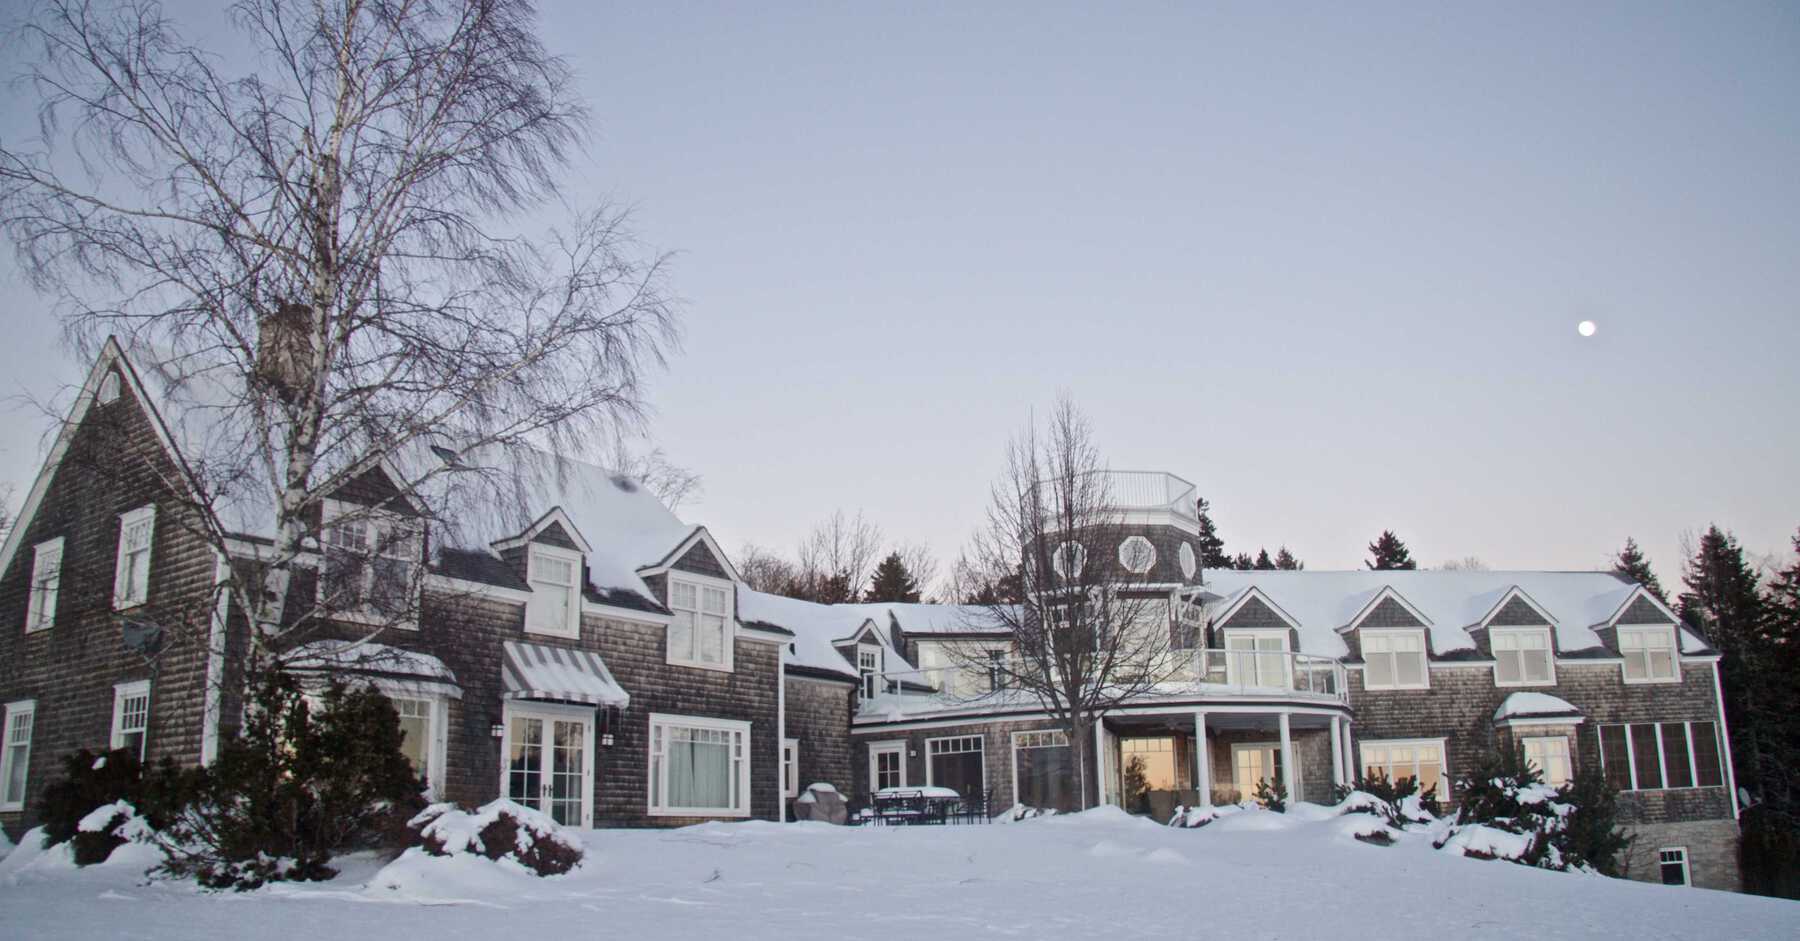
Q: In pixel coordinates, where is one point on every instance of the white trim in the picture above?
(1134, 541)
(1568, 756)
(1531, 722)
(214, 694)
(556, 515)
(884, 747)
(1274, 749)
(29, 707)
(1364, 635)
(571, 627)
(869, 682)
(727, 628)
(550, 712)
(1231, 610)
(1387, 592)
(1511, 593)
(667, 565)
(982, 751)
(123, 693)
(1213, 706)
(36, 616)
(438, 719)
(1674, 648)
(128, 519)
(790, 770)
(658, 803)
(1549, 635)
(781, 729)
(1012, 754)
(1724, 745)
(1442, 745)
(1639, 592)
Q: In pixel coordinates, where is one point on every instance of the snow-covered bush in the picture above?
(1203, 814)
(296, 788)
(499, 830)
(114, 779)
(1018, 812)
(1508, 812)
(1271, 795)
(1398, 802)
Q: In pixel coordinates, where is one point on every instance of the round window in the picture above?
(1187, 560)
(1069, 559)
(1137, 554)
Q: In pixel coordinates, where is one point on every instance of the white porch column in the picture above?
(1337, 754)
(1202, 759)
(1287, 759)
(1100, 781)
(1351, 770)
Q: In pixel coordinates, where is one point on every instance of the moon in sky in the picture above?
(1586, 328)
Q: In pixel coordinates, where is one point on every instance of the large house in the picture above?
(593, 656)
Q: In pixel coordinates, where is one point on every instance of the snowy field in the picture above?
(1100, 875)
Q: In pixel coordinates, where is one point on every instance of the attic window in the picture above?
(372, 565)
(1137, 554)
(555, 605)
(109, 387)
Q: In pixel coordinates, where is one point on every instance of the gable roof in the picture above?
(1384, 601)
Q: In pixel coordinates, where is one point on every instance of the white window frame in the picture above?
(870, 675)
(1693, 760)
(125, 593)
(123, 693)
(108, 393)
(1494, 635)
(552, 712)
(790, 767)
(1234, 666)
(437, 716)
(45, 587)
(1388, 635)
(379, 525)
(26, 707)
(1137, 545)
(1069, 559)
(931, 746)
(876, 749)
(1055, 738)
(1274, 751)
(571, 626)
(1687, 873)
(1665, 632)
(659, 802)
(701, 585)
(1568, 756)
(1441, 744)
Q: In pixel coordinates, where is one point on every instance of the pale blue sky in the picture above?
(1325, 263)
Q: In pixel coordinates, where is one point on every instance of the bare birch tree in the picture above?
(316, 251)
(1090, 633)
(836, 557)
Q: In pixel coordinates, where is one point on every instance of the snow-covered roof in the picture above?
(1525, 705)
(818, 627)
(1454, 602)
(367, 657)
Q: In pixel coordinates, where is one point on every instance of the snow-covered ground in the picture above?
(1098, 875)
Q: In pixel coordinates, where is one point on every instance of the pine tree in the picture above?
(1390, 553)
(892, 582)
(1263, 562)
(1285, 561)
(1721, 598)
(1630, 563)
(1242, 562)
(1212, 548)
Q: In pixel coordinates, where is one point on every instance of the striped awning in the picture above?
(540, 671)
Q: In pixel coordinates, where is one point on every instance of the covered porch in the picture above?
(1153, 761)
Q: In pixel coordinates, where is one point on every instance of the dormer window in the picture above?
(371, 565)
(1649, 654)
(1394, 660)
(868, 666)
(699, 634)
(555, 605)
(1522, 657)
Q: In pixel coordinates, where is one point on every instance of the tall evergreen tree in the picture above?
(1721, 598)
(1387, 552)
(1212, 548)
(1263, 562)
(1285, 561)
(1630, 563)
(892, 582)
(1243, 562)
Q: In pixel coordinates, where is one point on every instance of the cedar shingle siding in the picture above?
(1390, 613)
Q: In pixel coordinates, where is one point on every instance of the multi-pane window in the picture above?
(1550, 755)
(46, 584)
(371, 564)
(1649, 653)
(1257, 658)
(555, 605)
(131, 575)
(1522, 658)
(131, 716)
(416, 732)
(15, 759)
(790, 767)
(887, 766)
(1137, 554)
(1673, 863)
(868, 666)
(1393, 659)
(697, 634)
(1044, 770)
(1647, 756)
(699, 766)
(1421, 760)
(958, 763)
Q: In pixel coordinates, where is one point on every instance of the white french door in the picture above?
(548, 761)
(887, 766)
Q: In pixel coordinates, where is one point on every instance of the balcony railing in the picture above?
(1149, 490)
(1248, 674)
